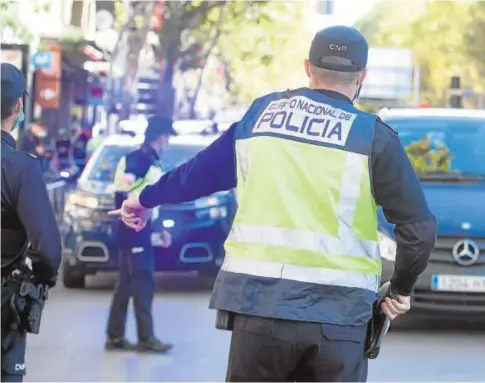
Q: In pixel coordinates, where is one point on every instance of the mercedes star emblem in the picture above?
(466, 252)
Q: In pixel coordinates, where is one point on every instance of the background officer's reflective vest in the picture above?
(153, 174)
(303, 245)
(93, 144)
(126, 237)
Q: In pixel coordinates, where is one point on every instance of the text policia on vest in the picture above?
(302, 117)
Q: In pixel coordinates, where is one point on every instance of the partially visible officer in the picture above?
(29, 227)
(136, 268)
(302, 266)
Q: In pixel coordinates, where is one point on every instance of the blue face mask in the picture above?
(20, 120)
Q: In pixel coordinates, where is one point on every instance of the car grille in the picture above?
(443, 251)
(442, 298)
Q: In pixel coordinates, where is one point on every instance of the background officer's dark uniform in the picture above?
(136, 257)
(29, 226)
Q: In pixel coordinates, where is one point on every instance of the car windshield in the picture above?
(444, 146)
(104, 168)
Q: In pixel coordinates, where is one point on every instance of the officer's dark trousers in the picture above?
(13, 354)
(135, 280)
(272, 350)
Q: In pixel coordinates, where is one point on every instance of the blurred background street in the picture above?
(73, 336)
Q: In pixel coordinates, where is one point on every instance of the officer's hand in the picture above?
(166, 238)
(133, 214)
(127, 180)
(395, 307)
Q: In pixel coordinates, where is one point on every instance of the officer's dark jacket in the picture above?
(395, 187)
(138, 162)
(27, 214)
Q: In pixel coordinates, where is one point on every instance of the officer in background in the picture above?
(135, 171)
(98, 137)
(302, 265)
(27, 217)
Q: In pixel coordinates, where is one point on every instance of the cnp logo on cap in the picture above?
(339, 42)
(336, 47)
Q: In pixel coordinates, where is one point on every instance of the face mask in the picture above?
(19, 120)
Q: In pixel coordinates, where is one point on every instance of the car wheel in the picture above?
(71, 278)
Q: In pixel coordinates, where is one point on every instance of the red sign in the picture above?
(48, 82)
(47, 92)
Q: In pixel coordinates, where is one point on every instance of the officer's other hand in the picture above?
(166, 238)
(394, 307)
(132, 213)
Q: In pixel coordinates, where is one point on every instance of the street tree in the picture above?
(246, 35)
(267, 53)
(475, 36)
(439, 46)
(249, 32)
(13, 27)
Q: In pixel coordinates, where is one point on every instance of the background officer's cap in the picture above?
(340, 42)
(13, 82)
(159, 126)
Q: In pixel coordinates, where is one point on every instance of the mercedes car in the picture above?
(198, 228)
(447, 149)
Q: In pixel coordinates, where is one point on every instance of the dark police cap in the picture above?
(159, 126)
(340, 49)
(13, 82)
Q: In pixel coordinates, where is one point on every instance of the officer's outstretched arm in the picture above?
(37, 215)
(398, 191)
(212, 170)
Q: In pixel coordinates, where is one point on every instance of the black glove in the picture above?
(43, 275)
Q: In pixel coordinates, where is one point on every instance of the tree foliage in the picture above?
(267, 52)
(10, 23)
(252, 34)
(435, 31)
(475, 36)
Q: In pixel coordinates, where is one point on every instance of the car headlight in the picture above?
(207, 202)
(212, 212)
(83, 201)
(387, 247)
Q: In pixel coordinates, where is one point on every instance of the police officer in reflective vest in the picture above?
(135, 171)
(29, 229)
(302, 265)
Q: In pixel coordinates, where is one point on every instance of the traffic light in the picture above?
(456, 93)
(147, 95)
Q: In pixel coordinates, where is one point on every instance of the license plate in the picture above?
(458, 283)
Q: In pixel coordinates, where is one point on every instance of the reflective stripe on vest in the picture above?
(152, 176)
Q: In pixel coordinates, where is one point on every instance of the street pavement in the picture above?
(70, 346)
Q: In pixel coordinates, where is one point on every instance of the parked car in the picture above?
(198, 228)
(447, 149)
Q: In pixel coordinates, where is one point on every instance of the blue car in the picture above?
(198, 228)
(447, 148)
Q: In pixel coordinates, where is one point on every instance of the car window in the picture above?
(443, 144)
(104, 168)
